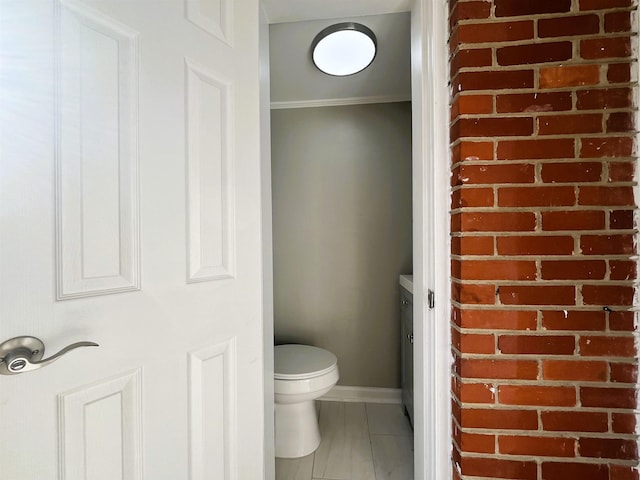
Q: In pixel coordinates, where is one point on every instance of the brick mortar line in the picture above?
(540, 459)
(555, 136)
(534, 19)
(551, 283)
(545, 282)
(550, 113)
(575, 207)
(536, 34)
(606, 85)
(550, 258)
(536, 308)
(551, 233)
(505, 332)
(574, 355)
(536, 357)
(542, 408)
(541, 333)
(574, 40)
(540, 91)
(547, 434)
(603, 63)
(559, 257)
(541, 208)
(546, 233)
(556, 259)
(545, 16)
(527, 357)
(494, 139)
(537, 40)
(566, 435)
(500, 407)
(541, 115)
(538, 184)
(527, 90)
(535, 162)
(545, 334)
(568, 136)
(548, 209)
(576, 61)
(544, 383)
(523, 67)
(550, 382)
(497, 382)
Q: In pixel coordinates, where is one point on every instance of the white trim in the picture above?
(339, 102)
(432, 355)
(440, 359)
(341, 393)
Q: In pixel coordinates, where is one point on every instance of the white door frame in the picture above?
(431, 243)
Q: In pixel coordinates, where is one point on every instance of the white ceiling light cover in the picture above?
(344, 49)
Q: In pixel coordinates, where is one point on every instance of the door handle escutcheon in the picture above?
(24, 354)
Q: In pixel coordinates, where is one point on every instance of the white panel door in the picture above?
(130, 217)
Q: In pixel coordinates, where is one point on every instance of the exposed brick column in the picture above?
(543, 159)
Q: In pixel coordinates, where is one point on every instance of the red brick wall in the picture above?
(543, 161)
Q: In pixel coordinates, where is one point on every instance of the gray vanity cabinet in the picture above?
(406, 329)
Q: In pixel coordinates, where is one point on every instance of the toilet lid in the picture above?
(297, 362)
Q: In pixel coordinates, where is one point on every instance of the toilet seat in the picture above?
(302, 362)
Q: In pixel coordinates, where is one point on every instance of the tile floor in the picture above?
(360, 441)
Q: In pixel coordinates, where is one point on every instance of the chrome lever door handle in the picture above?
(24, 354)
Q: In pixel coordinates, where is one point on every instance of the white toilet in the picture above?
(301, 374)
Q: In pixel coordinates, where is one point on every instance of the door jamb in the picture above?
(431, 243)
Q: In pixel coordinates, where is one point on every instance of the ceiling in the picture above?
(278, 11)
(296, 81)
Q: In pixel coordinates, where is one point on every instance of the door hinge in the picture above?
(431, 299)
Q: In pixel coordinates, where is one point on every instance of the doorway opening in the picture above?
(432, 438)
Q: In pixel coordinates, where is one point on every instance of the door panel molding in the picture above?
(212, 378)
(210, 175)
(100, 429)
(213, 16)
(96, 155)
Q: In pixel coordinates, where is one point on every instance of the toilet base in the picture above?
(296, 429)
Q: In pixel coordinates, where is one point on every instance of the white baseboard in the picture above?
(341, 393)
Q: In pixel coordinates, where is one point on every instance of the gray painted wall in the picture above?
(341, 179)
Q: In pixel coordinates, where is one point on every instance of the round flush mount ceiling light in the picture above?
(344, 49)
